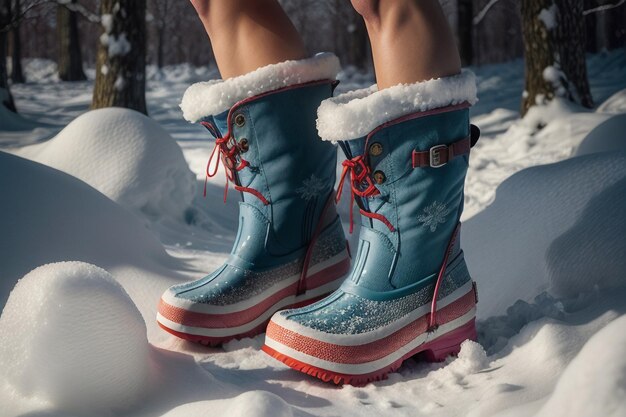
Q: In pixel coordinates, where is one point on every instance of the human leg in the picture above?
(411, 40)
(407, 143)
(248, 34)
(290, 248)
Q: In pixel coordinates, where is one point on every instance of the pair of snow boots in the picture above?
(407, 290)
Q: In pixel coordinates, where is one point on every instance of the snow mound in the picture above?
(77, 340)
(259, 404)
(614, 104)
(126, 156)
(48, 216)
(554, 227)
(589, 388)
(471, 359)
(606, 137)
(10, 121)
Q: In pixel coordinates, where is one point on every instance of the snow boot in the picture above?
(409, 290)
(290, 248)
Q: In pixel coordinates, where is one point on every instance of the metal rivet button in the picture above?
(243, 145)
(240, 120)
(379, 177)
(376, 149)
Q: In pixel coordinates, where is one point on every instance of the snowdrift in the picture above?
(77, 340)
(554, 227)
(126, 156)
(48, 216)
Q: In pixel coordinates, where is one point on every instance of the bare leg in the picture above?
(248, 34)
(411, 40)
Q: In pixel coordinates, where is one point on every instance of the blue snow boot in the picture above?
(409, 290)
(290, 248)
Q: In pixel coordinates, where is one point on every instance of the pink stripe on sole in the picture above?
(212, 321)
(368, 352)
(435, 350)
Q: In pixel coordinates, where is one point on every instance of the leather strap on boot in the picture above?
(440, 155)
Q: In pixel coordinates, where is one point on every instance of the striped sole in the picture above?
(214, 325)
(362, 358)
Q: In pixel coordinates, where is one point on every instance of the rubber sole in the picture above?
(214, 325)
(217, 341)
(436, 350)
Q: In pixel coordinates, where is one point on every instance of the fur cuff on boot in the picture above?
(356, 113)
(216, 96)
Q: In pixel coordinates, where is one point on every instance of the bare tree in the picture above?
(6, 99)
(70, 60)
(121, 61)
(17, 75)
(465, 32)
(554, 48)
(161, 9)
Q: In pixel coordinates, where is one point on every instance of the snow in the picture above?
(10, 121)
(53, 351)
(126, 156)
(120, 83)
(614, 104)
(575, 396)
(549, 16)
(107, 22)
(608, 136)
(543, 236)
(118, 45)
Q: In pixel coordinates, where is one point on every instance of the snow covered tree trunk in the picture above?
(554, 48)
(17, 75)
(70, 57)
(121, 61)
(6, 99)
(464, 30)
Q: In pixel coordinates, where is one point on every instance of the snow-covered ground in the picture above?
(110, 191)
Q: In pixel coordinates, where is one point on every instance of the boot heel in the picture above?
(448, 344)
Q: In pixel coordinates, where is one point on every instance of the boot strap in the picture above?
(440, 155)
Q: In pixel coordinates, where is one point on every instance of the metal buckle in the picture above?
(435, 156)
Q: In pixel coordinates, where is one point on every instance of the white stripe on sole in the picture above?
(244, 328)
(373, 366)
(363, 338)
(189, 305)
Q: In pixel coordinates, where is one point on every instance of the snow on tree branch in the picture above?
(604, 7)
(481, 15)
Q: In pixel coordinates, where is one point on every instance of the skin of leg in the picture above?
(248, 34)
(411, 40)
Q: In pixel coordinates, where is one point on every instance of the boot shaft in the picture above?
(264, 126)
(409, 210)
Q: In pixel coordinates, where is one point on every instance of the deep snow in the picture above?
(544, 237)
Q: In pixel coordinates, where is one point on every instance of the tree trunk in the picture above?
(6, 99)
(17, 75)
(70, 58)
(121, 61)
(554, 47)
(160, 40)
(358, 43)
(591, 38)
(465, 32)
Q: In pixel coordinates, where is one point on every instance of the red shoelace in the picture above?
(227, 152)
(361, 184)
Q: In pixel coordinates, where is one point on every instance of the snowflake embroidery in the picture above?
(311, 187)
(434, 215)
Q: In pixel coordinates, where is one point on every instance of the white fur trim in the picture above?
(216, 96)
(356, 113)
